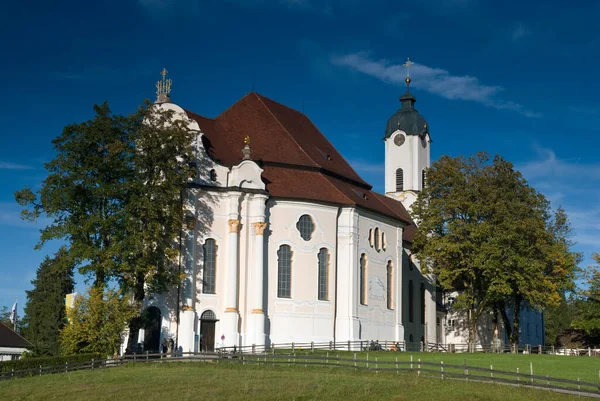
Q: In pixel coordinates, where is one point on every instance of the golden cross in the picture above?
(163, 88)
(407, 65)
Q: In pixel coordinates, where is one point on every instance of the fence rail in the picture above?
(332, 359)
(369, 345)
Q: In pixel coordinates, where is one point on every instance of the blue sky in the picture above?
(505, 77)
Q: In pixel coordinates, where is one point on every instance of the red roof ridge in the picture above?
(258, 96)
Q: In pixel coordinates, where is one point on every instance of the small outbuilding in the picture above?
(12, 344)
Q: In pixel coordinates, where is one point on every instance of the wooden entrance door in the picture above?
(207, 331)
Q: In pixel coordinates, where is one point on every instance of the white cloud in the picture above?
(14, 166)
(574, 184)
(520, 31)
(433, 80)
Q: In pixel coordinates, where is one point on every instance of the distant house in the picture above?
(12, 344)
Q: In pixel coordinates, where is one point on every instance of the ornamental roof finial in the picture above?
(163, 88)
(407, 65)
(246, 151)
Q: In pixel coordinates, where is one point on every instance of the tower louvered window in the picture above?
(399, 180)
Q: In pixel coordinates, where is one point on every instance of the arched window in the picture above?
(284, 271)
(323, 274)
(208, 315)
(306, 227)
(423, 178)
(383, 241)
(210, 266)
(363, 279)
(399, 180)
(376, 239)
(371, 237)
(390, 285)
(422, 303)
(411, 303)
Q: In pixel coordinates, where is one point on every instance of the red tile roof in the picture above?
(298, 160)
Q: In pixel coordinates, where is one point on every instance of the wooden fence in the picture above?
(352, 361)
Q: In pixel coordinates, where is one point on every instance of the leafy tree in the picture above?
(97, 322)
(489, 236)
(558, 320)
(587, 318)
(115, 194)
(45, 313)
(5, 313)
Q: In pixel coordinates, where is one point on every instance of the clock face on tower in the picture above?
(424, 142)
(399, 139)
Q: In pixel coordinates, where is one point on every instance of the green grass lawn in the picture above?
(232, 381)
(566, 367)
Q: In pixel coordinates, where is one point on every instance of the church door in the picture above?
(207, 331)
(152, 330)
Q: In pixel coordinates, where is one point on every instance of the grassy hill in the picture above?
(232, 381)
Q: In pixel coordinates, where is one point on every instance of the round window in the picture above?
(306, 227)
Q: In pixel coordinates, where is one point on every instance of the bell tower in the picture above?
(407, 149)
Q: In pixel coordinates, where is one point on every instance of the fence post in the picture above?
(41, 370)
(578, 384)
(293, 346)
(518, 375)
(466, 371)
(254, 348)
(312, 347)
(411, 363)
(348, 345)
(589, 351)
(396, 365)
(385, 345)
(334, 344)
(553, 350)
(531, 371)
(367, 360)
(147, 352)
(442, 368)
(492, 372)
(419, 368)
(66, 367)
(327, 362)
(376, 365)
(355, 363)
(330, 343)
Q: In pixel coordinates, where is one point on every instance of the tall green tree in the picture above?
(492, 238)
(45, 313)
(587, 314)
(5, 316)
(115, 194)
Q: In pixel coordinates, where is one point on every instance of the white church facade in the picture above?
(285, 242)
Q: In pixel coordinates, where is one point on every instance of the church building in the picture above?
(284, 242)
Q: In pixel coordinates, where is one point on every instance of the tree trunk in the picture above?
(507, 325)
(514, 337)
(472, 324)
